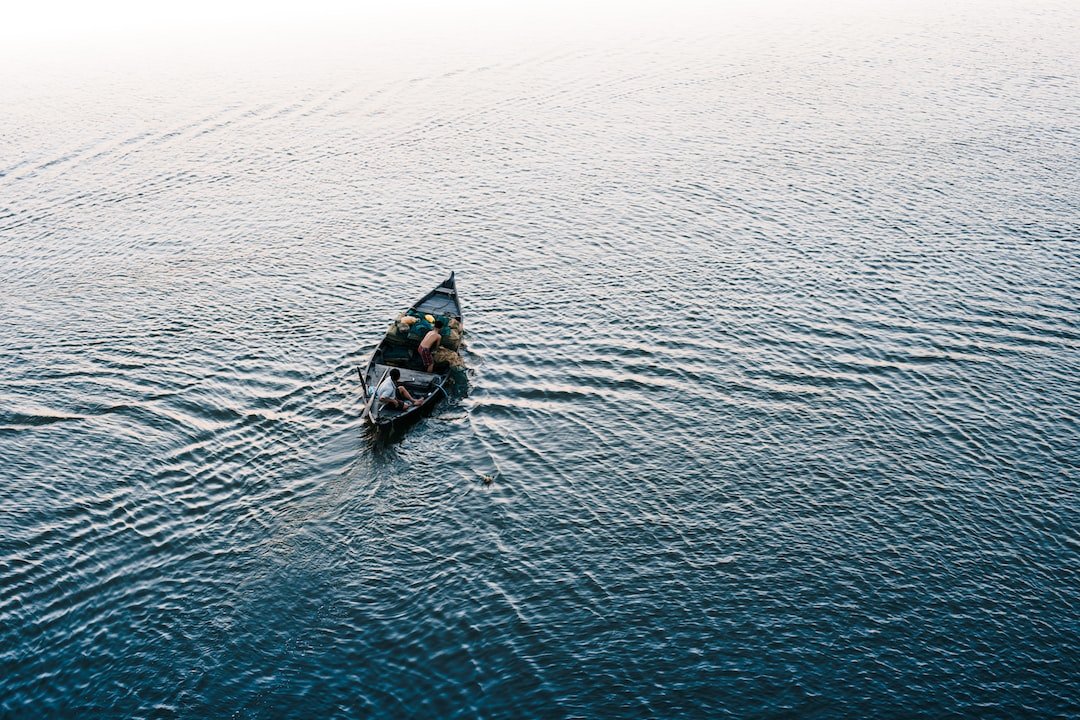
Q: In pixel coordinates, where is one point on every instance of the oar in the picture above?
(367, 408)
(363, 382)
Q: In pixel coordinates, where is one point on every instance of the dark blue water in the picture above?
(773, 340)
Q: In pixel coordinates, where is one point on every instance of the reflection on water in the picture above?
(772, 375)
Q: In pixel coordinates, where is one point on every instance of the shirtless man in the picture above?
(430, 344)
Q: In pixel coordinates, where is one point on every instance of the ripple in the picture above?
(771, 341)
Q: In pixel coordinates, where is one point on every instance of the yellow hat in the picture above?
(429, 318)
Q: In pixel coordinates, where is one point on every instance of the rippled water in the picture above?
(773, 341)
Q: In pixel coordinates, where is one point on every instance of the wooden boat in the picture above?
(400, 351)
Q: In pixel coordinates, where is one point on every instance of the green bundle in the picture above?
(419, 329)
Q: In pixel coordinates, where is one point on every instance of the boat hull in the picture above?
(433, 387)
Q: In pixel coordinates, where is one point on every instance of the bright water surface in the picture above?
(773, 337)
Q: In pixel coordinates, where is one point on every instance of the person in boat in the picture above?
(429, 345)
(393, 394)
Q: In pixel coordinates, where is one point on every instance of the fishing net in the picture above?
(452, 340)
(445, 357)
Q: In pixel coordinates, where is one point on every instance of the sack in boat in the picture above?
(430, 318)
(407, 319)
(395, 336)
(419, 329)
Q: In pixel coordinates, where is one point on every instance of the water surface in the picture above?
(773, 340)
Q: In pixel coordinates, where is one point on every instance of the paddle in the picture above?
(367, 407)
(363, 382)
